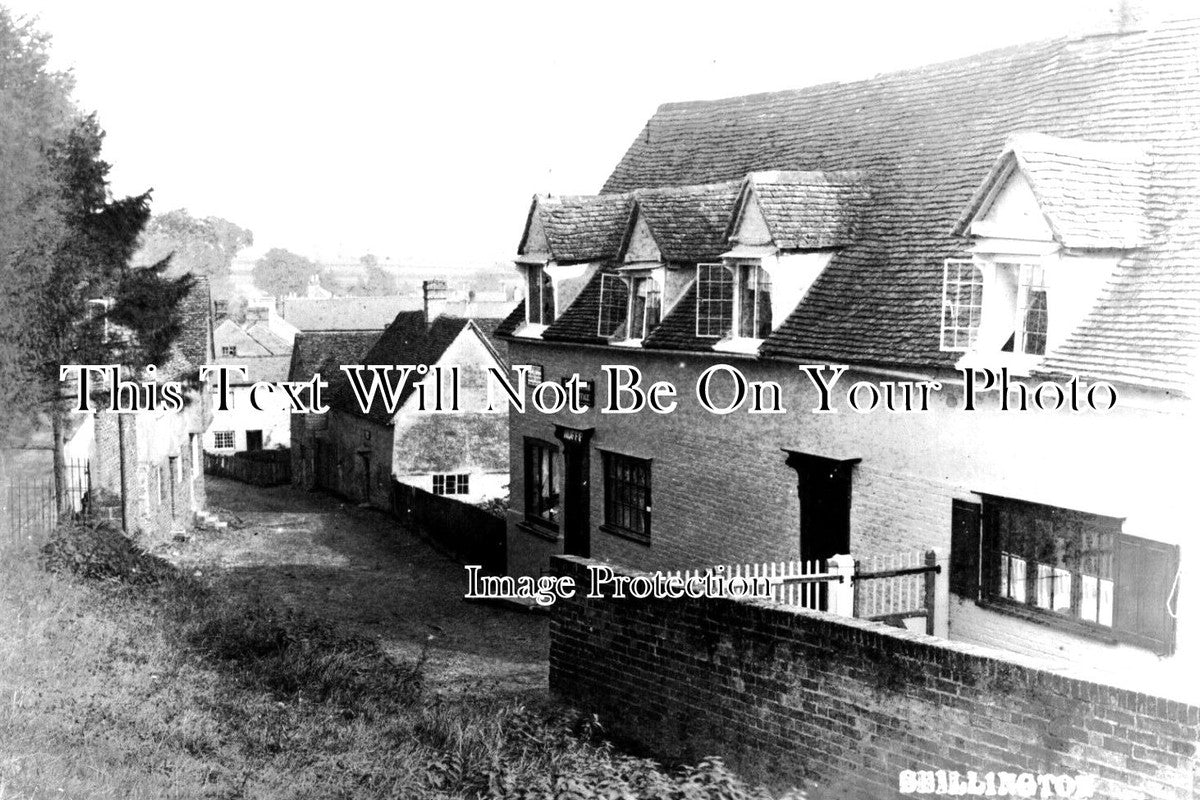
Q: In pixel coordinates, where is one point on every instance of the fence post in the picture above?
(841, 593)
(937, 594)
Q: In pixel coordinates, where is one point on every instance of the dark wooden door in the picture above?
(824, 488)
(577, 495)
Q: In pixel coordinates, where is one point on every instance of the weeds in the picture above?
(172, 689)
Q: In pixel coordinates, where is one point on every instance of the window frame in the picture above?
(229, 351)
(448, 484)
(232, 439)
(624, 330)
(1120, 571)
(544, 281)
(618, 512)
(542, 515)
(976, 310)
(701, 300)
(1031, 278)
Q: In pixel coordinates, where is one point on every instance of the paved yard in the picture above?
(359, 568)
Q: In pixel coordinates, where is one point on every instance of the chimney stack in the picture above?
(434, 292)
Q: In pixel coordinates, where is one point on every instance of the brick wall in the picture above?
(790, 696)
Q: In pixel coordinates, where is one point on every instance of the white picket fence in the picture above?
(891, 588)
(817, 585)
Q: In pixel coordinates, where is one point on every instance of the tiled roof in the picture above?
(324, 352)
(1093, 194)
(810, 210)
(406, 341)
(346, 313)
(272, 342)
(677, 331)
(926, 139)
(579, 322)
(514, 320)
(258, 368)
(688, 222)
(581, 228)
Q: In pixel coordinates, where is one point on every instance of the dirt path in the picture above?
(359, 568)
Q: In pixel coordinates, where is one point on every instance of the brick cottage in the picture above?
(1032, 209)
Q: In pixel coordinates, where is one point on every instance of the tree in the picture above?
(280, 272)
(197, 246)
(92, 260)
(37, 111)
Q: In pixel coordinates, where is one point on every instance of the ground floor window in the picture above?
(542, 484)
(1068, 566)
(451, 484)
(627, 495)
(224, 440)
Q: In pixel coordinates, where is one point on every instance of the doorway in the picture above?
(577, 497)
(824, 486)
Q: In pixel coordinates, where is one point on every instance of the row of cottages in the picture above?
(263, 346)
(358, 454)
(146, 467)
(1031, 209)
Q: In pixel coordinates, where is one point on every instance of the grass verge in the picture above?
(169, 689)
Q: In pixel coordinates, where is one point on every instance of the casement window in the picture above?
(224, 440)
(535, 375)
(962, 304)
(630, 307)
(627, 496)
(1032, 312)
(1066, 567)
(451, 484)
(714, 300)
(754, 302)
(725, 294)
(542, 488)
(229, 350)
(539, 296)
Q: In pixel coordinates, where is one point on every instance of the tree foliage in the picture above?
(197, 246)
(281, 272)
(65, 242)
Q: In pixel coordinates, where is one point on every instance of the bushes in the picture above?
(97, 551)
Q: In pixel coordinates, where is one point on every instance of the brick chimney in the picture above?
(434, 294)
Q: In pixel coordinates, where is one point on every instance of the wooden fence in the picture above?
(470, 534)
(256, 472)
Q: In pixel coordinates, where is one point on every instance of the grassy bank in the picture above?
(174, 690)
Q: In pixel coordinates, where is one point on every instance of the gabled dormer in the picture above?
(1045, 230)
(785, 228)
(565, 242)
(669, 231)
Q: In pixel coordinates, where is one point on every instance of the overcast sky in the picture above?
(421, 132)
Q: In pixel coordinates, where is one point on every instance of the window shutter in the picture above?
(964, 549)
(1145, 592)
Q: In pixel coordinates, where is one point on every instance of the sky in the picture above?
(420, 132)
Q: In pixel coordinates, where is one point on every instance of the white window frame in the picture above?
(758, 269)
(229, 351)
(544, 276)
(732, 302)
(232, 438)
(971, 331)
(1030, 276)
(632, 281)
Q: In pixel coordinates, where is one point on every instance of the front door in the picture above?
(577, 524)
(824, 488)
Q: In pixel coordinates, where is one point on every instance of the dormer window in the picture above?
(714, 300)
(1032, 310)
(539, 302)
(754, 302)
(725, 293)
(630, 306)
